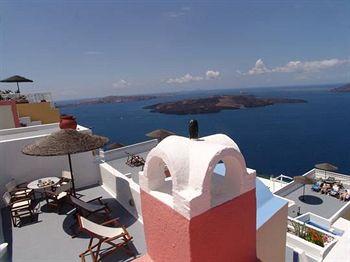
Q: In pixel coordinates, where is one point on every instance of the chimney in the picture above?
(206, 209)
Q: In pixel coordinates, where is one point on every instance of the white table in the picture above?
(35, 184)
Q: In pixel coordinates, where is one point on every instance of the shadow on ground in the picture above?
(311, 200)
(70, 225)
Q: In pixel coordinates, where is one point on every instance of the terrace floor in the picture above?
(119, 164)
(323, 205)
(49, 238)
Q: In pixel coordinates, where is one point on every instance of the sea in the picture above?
(284, 139)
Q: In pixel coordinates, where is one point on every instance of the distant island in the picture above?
(215, 104)
(342, 89)
(109, 100)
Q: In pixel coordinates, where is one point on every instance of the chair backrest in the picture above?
(11, 185)
(62, 188)
(7, 198)
(82, 204)
(66, 174)
(99, 230)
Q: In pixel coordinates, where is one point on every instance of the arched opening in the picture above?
(225, 180)
(218, 187)
(160, 179)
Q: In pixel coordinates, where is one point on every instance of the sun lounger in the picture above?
(326, 188)
(345, 195)
(335, 190)
(317, 186)
(88, 208)
(116, 237)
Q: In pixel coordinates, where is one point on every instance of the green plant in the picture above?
(299, 229)
(309, 234)
(315, 237)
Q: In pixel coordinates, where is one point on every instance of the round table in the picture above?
(35, 184)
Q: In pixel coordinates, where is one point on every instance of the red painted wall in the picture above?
(224, 233)
(13, 109)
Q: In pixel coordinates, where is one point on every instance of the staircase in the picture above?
(27, 121)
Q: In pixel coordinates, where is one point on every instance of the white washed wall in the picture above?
(15, 165)
(122, 188)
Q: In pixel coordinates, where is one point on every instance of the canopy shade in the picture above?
(304, 180)
(16, 79)
(160, 134)
(326, 167)
(63, 142)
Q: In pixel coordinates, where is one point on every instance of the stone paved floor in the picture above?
(49, 238)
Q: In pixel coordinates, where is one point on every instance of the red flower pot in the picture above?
(68, 122)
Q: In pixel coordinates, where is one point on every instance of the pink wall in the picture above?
(224, 233)
(13, 109)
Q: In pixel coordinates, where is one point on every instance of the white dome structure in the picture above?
(193, 187)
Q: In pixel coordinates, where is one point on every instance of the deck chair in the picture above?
(88, 208)
(57, 195)
(19, 208)
(66, 177)
(134, 160)
(18, 191)
(116, 237)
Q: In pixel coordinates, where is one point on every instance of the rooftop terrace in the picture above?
(49, 238)
(122, 167)
(320, 204)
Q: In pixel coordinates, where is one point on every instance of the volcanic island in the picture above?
(215, 104)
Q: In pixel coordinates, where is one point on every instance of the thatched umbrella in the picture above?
(326, 167)
(160, 134)
(305, 181)
(65, 142)
(17, 79)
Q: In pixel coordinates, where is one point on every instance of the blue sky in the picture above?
(96, 48)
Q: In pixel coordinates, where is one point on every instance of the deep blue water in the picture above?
(286, 138)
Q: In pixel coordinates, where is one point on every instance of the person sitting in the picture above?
(345, 196)
(335, 190)
(325, 188)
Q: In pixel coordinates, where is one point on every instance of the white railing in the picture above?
(132, 149)
(123, 188)
(292, 186)
(31, 97)
(344, 179)
(39, 97)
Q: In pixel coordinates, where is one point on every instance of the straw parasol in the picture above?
(65, 142)
(17, 79)
(326, 167)
(160, 134)
(305, 181)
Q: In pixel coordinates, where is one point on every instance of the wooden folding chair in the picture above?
(87, 208)
(57, 195)
(19, 208)
(19, 191)
(116, 237)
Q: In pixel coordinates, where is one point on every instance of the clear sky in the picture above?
(96, 48)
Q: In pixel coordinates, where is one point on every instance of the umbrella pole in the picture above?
(17, 88)
(71, 172)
